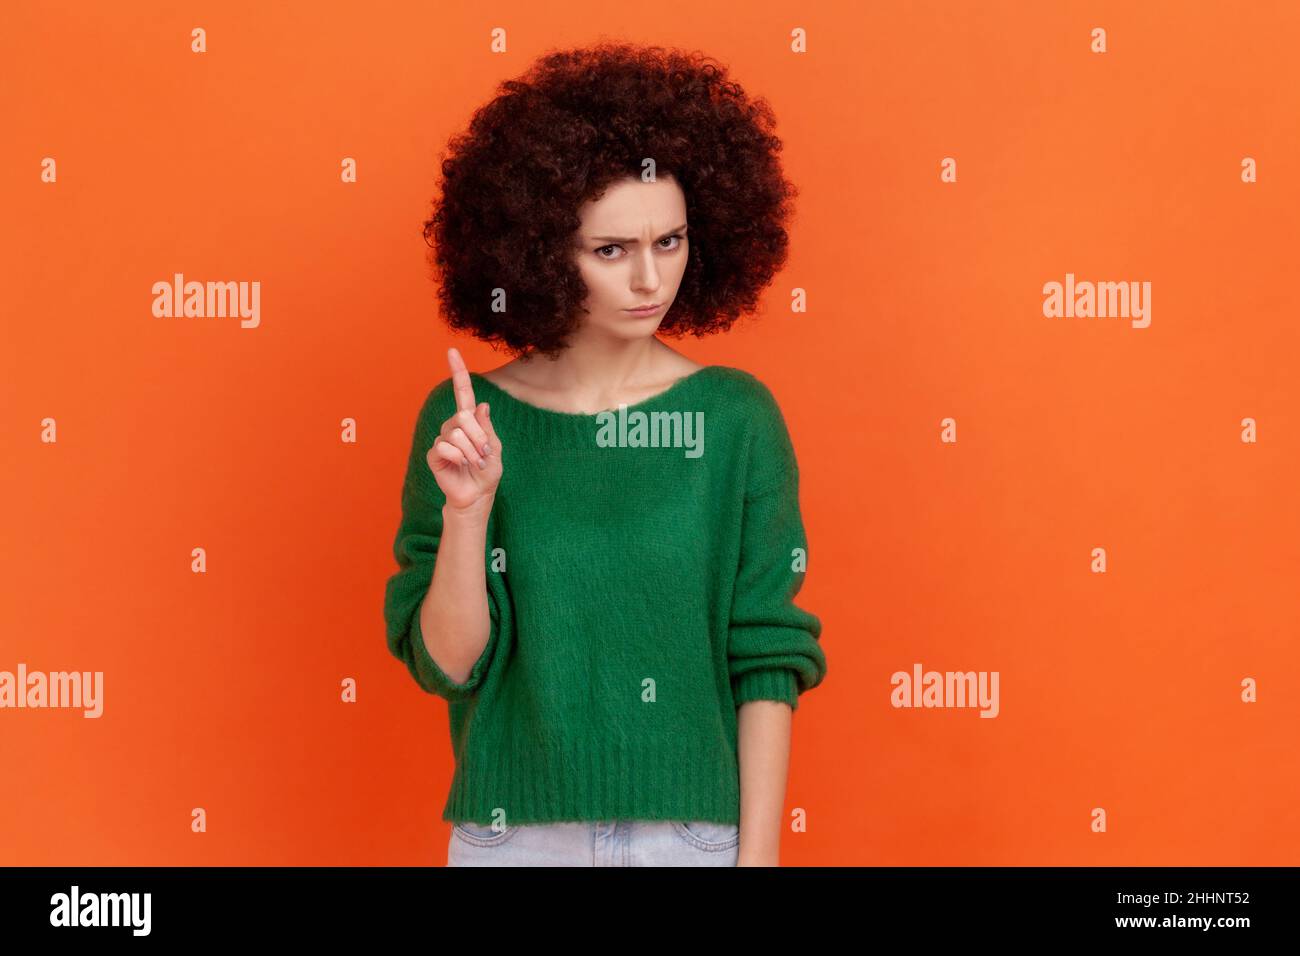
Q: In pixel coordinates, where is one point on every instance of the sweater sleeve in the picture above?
(773, 645)
(416, 550)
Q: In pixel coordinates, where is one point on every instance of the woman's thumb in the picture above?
(485, 419)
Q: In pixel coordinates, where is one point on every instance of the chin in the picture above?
(630, 327)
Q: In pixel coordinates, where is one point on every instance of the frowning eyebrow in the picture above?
(634, 241)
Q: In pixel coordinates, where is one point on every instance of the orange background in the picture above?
(1118, 690)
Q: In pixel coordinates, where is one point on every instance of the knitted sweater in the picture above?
(640, 585)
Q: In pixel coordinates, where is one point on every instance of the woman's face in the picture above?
(631, 251)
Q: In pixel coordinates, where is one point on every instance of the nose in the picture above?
(645, 276)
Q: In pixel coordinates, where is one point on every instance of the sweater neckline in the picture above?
(555, 415)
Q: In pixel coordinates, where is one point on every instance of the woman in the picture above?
(605, 598)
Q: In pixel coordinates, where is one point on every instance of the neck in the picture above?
(599, 366)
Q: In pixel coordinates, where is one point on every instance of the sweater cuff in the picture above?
(433, 678)
(772, 683)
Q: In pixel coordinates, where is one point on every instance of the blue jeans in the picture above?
(615, 843)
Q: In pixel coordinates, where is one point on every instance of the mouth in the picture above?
(645, 310)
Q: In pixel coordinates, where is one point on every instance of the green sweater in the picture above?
(640, 585)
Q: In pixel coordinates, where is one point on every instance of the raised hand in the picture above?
(466, 457)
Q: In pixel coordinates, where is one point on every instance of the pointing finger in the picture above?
(460, 381)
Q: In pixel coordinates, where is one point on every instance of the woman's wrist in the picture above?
(476, 513)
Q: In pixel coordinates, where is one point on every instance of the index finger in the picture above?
(460, 382)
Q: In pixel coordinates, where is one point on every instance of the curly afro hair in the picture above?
(558, 136)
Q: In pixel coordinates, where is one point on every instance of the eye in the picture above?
(600, 252)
